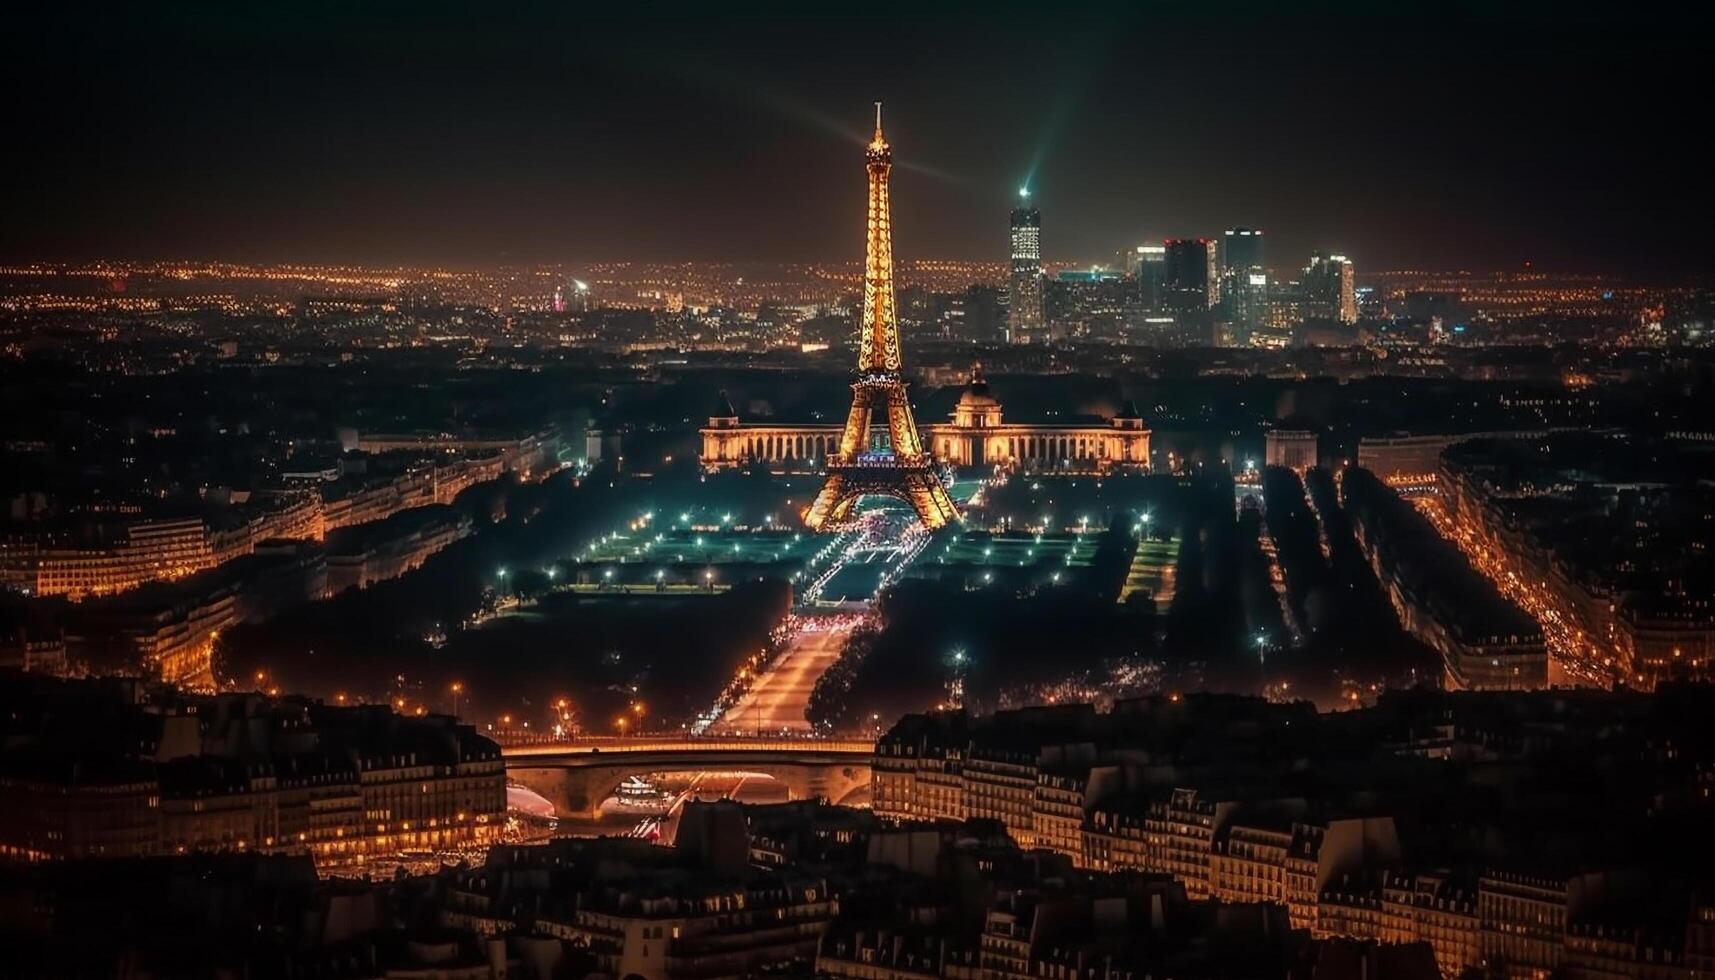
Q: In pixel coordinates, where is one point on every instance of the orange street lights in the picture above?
(458, 689)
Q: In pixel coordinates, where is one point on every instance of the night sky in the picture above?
(1409, 136)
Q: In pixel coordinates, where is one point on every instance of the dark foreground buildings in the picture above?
(796, 889)
(120, 768)
(1520, 835)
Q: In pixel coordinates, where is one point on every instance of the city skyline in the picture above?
(1408, 139)
(1249, 555)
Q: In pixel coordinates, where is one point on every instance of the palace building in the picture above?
(976, 435)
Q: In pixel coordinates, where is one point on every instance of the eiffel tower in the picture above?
(891, 460)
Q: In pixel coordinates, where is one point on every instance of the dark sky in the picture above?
(1434, 136)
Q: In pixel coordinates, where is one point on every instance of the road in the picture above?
(776, 702)
(1573, 659)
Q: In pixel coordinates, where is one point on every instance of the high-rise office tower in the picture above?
(1241, 249)
(1146, 266)
(1330, 290)
(1244, 279)
(1189, 280)
(1024, 320)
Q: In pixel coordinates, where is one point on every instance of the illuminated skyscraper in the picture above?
(1244, 279)
(1330, 291)
(1190, 283)
(1025, 321)
(1147, 266)
(1241, 250)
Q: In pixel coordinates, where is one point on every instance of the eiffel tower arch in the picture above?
(897, 466)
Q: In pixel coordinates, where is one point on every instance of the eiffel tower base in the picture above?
(917, 486)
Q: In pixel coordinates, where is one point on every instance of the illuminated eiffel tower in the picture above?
(880, 451)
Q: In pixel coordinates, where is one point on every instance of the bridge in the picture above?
(577, 776)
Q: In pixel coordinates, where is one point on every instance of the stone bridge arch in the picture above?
(577, 788)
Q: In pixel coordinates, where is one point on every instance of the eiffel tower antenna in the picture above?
(901, 468)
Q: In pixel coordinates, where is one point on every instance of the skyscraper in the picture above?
(1244, 279)
(1330, 291)
(1241, 249)
(1147, 267)
(1024, 319)
(1189, 280)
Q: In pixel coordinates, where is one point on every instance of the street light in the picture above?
(458, 689)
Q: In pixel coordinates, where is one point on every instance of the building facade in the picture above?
(340, 784)
(1294, 449)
